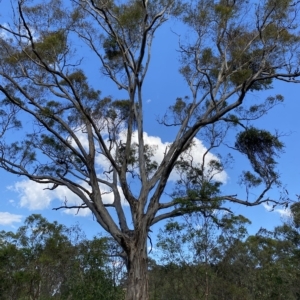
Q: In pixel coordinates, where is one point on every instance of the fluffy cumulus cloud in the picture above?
(32, 195)
(283, 212)
(36, 196)
(196, 153)
(7, 218)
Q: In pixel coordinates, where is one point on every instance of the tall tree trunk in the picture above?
(137, 268)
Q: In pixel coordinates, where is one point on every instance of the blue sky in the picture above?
(162, 86)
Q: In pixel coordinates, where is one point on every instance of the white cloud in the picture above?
(63, 194)
(8, 36)
(36, 196)
(196, 153)
(7, 218)
(32, 195)
(82, 137)
(284, 212)
(281, 211)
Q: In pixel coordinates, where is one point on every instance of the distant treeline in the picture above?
(194, 258)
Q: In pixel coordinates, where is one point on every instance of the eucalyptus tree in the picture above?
(44, 260)
(201, 259)
(234, 48)
(35, 260)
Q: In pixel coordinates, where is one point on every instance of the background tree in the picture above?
(198, 258)
(238, 265)
(45, 260)
(235, 47)
(195, 258)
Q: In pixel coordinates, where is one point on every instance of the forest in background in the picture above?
(195, 257)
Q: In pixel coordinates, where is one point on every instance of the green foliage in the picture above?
(205, 199)
(90, 276)
(78, 81)
(76, 77)
(47, 48)
(223, 10)
(111, 49)
(197, 190)
(130, 14)
(250, 179)
(52, 44)
(45, 260)
(295, 210)
(207, 56)
(261, 148)
(132, 158)
(180, 108)
(121, 109)
(198, 258)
